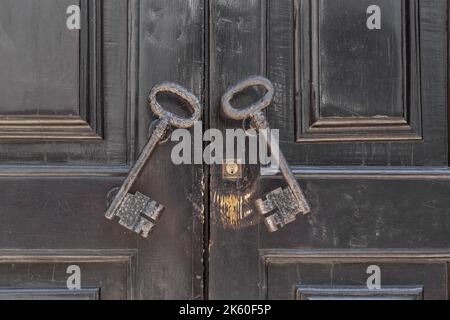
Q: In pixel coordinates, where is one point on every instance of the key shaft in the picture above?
(260, 122)
(157, 135)
(281, 205)
(166, 119)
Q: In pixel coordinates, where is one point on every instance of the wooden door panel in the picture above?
(362, 75)
(356, 84)
(358, 293)
(366, 213)
(327, 120)
(330, 277)
(64, 92)
(38, 49)
(42, 274)
(61, 153)
(362, 116)
(58, 213)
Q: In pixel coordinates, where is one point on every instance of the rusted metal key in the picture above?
(137, 212)
(281, 205)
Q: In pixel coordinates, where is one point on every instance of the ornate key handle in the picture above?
(281, 206)
(255, 108)
(174, 120)
(138, 212)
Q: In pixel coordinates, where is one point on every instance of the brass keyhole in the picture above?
(232, 170)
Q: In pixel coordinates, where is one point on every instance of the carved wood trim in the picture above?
(46, 128)
(56, 171)
(347, 293)
(49, 294)
(281, 256)
(372, 173)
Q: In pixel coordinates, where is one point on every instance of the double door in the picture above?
(360, 102)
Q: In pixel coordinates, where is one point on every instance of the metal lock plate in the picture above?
(232, 170)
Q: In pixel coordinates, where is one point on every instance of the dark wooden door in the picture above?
(362, 110)
(73, 118)
(363, 117)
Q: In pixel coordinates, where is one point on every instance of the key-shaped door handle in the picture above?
(138, 212)
(281, 205)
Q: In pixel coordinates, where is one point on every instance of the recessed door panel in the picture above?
(360, 70)
(351, 93)
(34, 47)
(349, 275)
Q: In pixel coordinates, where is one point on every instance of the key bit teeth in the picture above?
(153, 210)
(139, 213)
(271, 223)
(279, 209)
(144, 227)
(264, 206)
